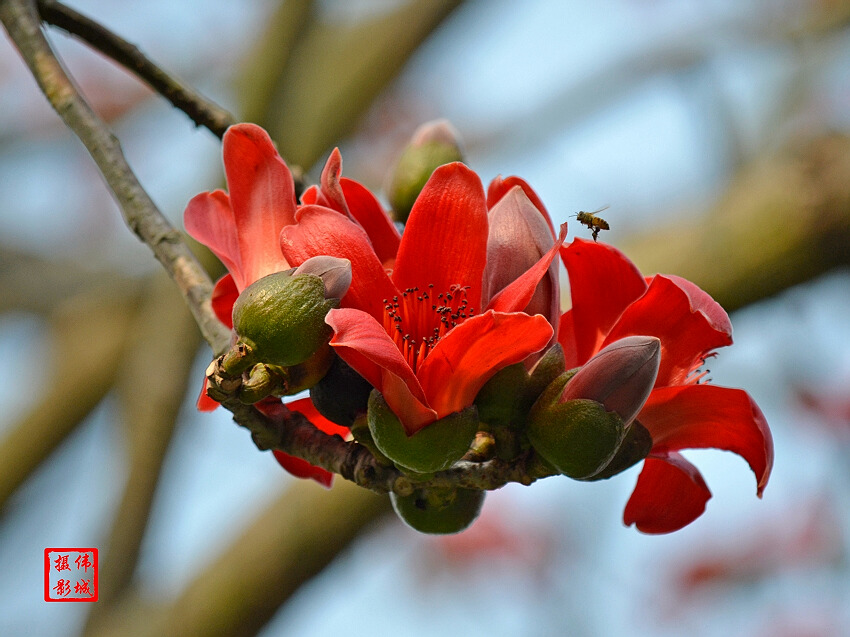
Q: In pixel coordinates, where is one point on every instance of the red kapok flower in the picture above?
(612, 300)
(243, 228)
(420, 336)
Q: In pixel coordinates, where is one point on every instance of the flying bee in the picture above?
(592, 222)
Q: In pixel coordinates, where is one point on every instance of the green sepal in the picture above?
(545, 371)
(435, 447)
(500, 401)
(342, 395)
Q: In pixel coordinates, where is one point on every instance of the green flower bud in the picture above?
(579, 437)
(281, 317)
(435, 447)
(433, 144)
(441, 511)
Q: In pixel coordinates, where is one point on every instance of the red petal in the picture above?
(680, 317)
(323, 231)
(368, 212)
(516, 296)
(303, 469)
(701, 301)
(331, 188)
(364, 344)
(705, 416)
(670, 494)
(208, 218)
(445, 239)
(603, 282)
(224, 295)
(567, 334)
(205, 403)
(499, 187)
(262, 194)
(468, 356)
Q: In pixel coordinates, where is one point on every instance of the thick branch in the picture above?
(139, 211)
(201, 110)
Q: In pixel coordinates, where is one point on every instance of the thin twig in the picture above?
(201, 110)
(140, 213)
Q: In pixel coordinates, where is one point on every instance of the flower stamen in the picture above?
(417, 320)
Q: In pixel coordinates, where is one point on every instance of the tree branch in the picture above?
(296, 435)
(201, 110)
(140, 213)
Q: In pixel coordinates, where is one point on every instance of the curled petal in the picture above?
(687, 320)
(603, 282)
(670, 494)
(702, 302)
(471, 353)
(499, 187)
(705, 416)
(517, 296)
(209, 219)
(262, 194)
(313, 196)
(445, 239)
(366, 210)
(224, 295)
(322, 231)
(331, 188)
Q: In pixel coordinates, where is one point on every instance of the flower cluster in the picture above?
(421, 343)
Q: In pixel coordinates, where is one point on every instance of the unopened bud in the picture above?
(433, 144)
(578, 438)
(435, 447)
(281, 317)
(439, 511)
(620, 376)
(518, 237)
